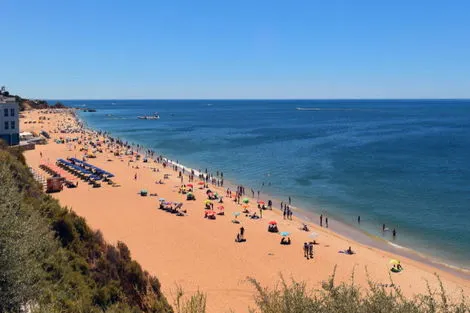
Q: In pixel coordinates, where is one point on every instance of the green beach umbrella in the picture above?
(246, 200)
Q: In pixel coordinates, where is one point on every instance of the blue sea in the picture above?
(403, 163)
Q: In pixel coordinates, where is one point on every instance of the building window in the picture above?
(12, 112)
(5, 112)
(12, 124)
(6, 125)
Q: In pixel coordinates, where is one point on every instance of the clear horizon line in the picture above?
(243, 99)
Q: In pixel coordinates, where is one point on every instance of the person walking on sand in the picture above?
(135, 176)
(242, 232)
(326, 222)
(321, 220)
(310, 249)
(306, 250)
(285, 213)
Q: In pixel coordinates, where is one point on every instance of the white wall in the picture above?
(9, 118)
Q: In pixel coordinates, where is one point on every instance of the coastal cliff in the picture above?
(31, 104)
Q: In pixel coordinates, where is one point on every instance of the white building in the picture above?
(9, 121)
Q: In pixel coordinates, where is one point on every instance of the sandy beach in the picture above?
(200, 253)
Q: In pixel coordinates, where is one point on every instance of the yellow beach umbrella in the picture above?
(393, 261)
(207, 201)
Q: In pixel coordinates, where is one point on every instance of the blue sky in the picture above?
(114, 49)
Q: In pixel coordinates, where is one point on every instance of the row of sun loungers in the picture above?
(54, 171)
(89, 175)
(94, 169)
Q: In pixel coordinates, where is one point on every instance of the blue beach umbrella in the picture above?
(162, 199)
(284, 233)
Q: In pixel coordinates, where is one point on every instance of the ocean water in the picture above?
(404, 163)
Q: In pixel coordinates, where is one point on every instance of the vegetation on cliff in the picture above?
(51, 261)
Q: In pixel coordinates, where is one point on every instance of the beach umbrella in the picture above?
(189, 185)
(393, 261)
(210, 212)
(236, 214)
(284, 233)
(261, 202)
(161, 199)
(220, 207)
(272, 223)
(245, 206)
(246, 200)
(201, 183)
(207, 201)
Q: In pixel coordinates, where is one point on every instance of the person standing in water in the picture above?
(321, 220)
(359, 219)
(326, 222)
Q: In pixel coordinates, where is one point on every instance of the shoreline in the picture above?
(338, 227)
(200, 254)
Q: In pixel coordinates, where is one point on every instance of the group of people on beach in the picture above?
(287, 212)
(308, 250)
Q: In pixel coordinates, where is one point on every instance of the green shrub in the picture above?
(294, 297)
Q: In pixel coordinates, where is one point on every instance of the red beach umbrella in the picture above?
(261, 202)
(220, 207)
(210, 212)
(272, 223)
(200, 183)
(189, 185)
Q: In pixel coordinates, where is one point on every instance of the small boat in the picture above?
(155, 116)
(308, 109)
